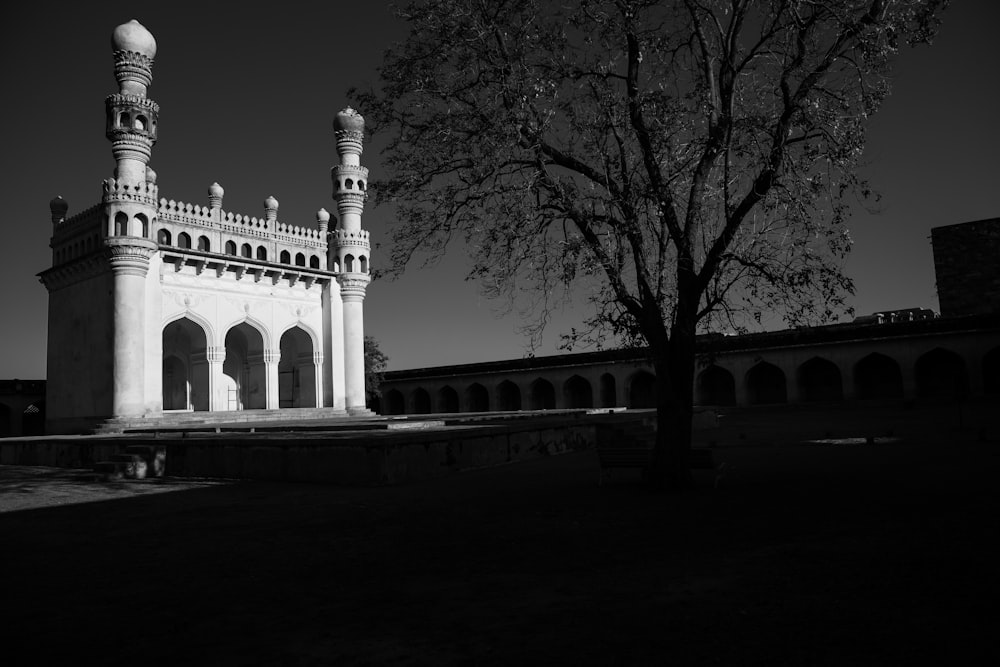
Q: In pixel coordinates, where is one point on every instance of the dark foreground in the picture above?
(847, 554)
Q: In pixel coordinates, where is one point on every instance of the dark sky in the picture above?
(247, 96)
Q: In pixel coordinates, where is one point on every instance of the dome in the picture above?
(132, 36)
(271, 203)
(322, 215)
(150, 175)
(349, 120)
(215, 190)
(58, 206)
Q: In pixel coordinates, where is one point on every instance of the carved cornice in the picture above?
(359, 239)
(132, 66)
(127, 100)
(129, 255)
(353, 286)
(130, 145)
(145, 193)
(350, 202)
(71, 273)
(349, 141)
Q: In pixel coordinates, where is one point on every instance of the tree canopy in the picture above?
(685, 162)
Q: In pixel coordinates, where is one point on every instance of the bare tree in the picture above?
(686, 162)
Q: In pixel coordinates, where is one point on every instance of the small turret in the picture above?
(271, 209)
(215, 194)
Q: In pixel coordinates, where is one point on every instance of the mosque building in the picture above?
(158, 306)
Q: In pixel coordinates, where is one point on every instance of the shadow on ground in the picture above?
(847, 554)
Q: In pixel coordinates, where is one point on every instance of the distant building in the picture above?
(967, 266)
(156, 305)
(900, 354)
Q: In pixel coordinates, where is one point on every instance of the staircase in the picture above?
(181, 420)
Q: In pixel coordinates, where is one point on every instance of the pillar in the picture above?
(129, 260)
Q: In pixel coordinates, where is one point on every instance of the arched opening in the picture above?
(393, 401)
(542, 395)
(991, 371)
(348, 263)
(363, 261)
(123, 120)
(244, 367)
(819, 380)
(447, 399)
(715, 386)
(477, 399)
(204, 244)
(577, 393)
(246, 251)
(185, 366)
(139, 123)
(642, 390)
(313, 262)
(609, 391)
(296, 370)
(121, 224)
(33, 419)
(140, 226)
(163, 237)
(184, 240)
(766, 384)
(941, 373)
(262, 253)
(508, 396)
(877, 376)
(300, 259)
(421, 401)
(230, 247)
(286, 257)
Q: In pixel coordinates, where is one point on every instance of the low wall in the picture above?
(350, 459)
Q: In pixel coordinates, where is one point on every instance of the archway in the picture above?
(766, 384)
(33, 419)
(244, 365)
(642, 390)
(877, 376)
(819, 380)
(447, 399)
(941, 373)
(185, 366)
(508, 396)
(421, 401)
(477, 398)
(541, 395)
(609, 391)
(393, 400)
(577, 393)
(296, 370)
(715, 386)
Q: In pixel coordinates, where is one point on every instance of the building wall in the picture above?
(967, 267)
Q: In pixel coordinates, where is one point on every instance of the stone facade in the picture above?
(967, 265)
(157, 305)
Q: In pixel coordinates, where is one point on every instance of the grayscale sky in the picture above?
(247, 95)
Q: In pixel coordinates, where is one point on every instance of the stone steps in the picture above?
(196, 419)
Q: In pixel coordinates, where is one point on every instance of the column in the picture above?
(352, 292)
(129, 260)
(219, 401)
(271, 359)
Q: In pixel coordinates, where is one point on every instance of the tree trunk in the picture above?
(674, 364)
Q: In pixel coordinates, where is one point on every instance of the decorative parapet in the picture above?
(343, 238)
(246, 225)
(145, 192)
(84, 219)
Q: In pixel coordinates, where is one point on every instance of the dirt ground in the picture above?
(812, 554)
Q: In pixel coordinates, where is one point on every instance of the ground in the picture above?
(839, 553)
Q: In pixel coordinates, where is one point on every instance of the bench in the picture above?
(642, 457)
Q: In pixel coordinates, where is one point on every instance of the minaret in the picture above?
(130, 204)
(352, 249)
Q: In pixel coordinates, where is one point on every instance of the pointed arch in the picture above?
(766, 384)
(447, 399)
(577, 393)
(477, 399)
(393, 402)
(941, 373)
(420, 401)
(296, 369)
(642, 390)
(542, 395)
(877, 376)
(508, 396)
(185, 369)
(819, 380)
(715, 386)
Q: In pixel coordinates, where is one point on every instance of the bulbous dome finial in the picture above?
(215, 190)
(132, 36)
(322, 215)
(271, 203)
(150, 175)
(58, 207)
(349, 120)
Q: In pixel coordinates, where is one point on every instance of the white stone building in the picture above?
(158, 306)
